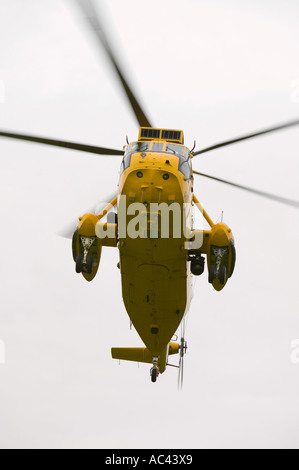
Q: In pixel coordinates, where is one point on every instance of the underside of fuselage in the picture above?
(155, 295)
(156, 279)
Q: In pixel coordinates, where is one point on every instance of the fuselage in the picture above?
(156, 279)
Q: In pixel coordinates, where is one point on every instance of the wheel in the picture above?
(89, 264)
(79, 264)
(197, 268)
(211, 273)
(154, 374)
(222, 275)
(112, 218)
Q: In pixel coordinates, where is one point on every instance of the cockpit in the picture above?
(180, 151)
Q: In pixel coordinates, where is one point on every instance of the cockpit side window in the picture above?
(126, 160)
(140, 147)
(133, 148)
(177, 150)
(184, 158)
(185, 165)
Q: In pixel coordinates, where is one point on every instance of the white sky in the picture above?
(215, 69)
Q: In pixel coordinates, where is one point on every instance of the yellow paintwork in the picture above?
(156, 281)
(155, 272)
(144, 354)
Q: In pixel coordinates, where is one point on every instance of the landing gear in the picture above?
(87, 247)
(84, 261)
(89, 264)
(211, 273)
(222, 274)
(154, 370)
(79, 264)
(218, 267)
(154, 374)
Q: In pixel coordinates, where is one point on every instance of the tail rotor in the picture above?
(183, 348)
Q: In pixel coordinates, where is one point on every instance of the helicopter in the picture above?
(156, 174)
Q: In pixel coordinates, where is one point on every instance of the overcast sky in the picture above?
(215, 69)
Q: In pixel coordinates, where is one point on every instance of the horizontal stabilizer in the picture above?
(139, 354)
(132, 354)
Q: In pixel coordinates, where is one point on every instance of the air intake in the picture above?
(148, 133)
(168, 135)
(171, 135)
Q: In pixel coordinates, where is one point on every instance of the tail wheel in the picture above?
(89, 264)
(211, 273)
(79, 264)
(222, 275)
(154, 374)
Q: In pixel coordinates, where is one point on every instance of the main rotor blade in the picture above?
(61, 143)
(93, 20)
(274, 197)
(248, 136)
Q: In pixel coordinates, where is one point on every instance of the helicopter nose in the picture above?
(151, 185)
(155, 177)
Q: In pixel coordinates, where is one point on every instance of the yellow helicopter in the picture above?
(160, 250)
